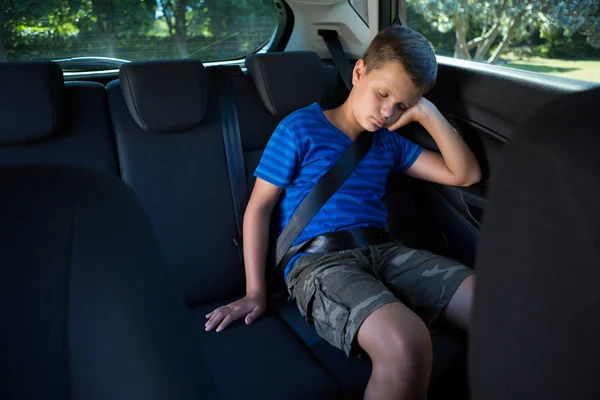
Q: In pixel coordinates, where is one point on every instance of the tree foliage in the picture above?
(134, 29)
(484, 29)
(223, 29)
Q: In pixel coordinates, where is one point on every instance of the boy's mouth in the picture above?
(379, 123)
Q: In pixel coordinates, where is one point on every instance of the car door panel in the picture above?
(485, 104)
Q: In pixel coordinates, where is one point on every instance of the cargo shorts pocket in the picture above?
(304, 301)
(329, 316)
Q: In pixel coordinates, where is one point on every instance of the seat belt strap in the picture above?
(319, 195)
(233, 146)
(339, 57)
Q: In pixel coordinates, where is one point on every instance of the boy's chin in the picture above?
(370, 127)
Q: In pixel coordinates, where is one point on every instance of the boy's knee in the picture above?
(409, 345)
(400, 340)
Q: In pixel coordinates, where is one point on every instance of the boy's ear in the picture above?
(359, 70)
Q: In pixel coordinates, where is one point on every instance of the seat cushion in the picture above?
(265, 360)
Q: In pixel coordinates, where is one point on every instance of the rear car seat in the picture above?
(285, 82)
(45, 120)
(87, 312)
(171, 152)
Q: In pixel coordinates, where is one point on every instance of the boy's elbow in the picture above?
(472, 177)
(260, 209)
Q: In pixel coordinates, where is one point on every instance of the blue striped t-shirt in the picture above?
(304, 146)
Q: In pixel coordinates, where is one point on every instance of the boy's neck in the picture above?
(344, 120)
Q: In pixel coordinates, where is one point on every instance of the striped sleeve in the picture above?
(278, 162)
(405, 152)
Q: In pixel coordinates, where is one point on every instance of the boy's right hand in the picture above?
(251, 306)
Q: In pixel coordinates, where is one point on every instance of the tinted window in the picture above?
(208, 30)
(547, 36)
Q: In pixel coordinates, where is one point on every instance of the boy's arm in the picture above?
(257, 220)
(256, 240)
(456, 165)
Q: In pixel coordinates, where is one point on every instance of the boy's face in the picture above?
(381, 96)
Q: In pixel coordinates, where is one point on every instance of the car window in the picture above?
(208, 30)
(546, 36)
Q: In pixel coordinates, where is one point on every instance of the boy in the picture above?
(381, 298)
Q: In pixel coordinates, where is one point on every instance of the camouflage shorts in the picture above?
(337, 291)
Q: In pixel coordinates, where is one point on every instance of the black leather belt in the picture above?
(338, 241)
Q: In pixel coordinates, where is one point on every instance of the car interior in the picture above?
(121, 216)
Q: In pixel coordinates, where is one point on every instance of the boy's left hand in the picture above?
(417, 113)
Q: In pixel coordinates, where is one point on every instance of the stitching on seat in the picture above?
(262, 75)
(68, 296)
(54, 99)
(145, 125)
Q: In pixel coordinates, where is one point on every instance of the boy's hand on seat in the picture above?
(251, 306)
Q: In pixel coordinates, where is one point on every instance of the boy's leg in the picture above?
(399, 345)
(351, 309)
(432, 286)
(458, 310)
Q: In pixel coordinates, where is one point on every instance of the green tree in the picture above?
(174, 13)
(234, 25)
(20, 12)
(221, 20)
(576, 16)
(484, 29)
(113, 17)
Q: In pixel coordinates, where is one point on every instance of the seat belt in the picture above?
(318, 196)
(233, 146)
(339, 57)
(334, 178)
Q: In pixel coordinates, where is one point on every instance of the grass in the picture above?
(584, 70)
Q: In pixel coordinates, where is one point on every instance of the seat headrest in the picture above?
(287, 81)
(165, 96)
(31, 94)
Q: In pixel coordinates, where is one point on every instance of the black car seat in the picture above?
(86, 308)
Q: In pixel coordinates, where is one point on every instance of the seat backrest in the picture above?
(535, 326)
(276, 85)
(171, 152)
(86, 308)
(45, 120)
